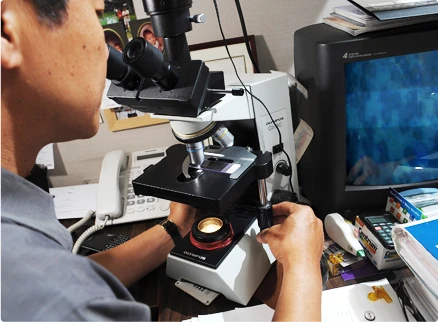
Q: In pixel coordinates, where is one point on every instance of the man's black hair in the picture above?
(51, 12)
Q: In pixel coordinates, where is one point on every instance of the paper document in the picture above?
(417, 244)
(302, 137)
(74, 201)
(344, 304)
(45, 157)
(217, 317)
(107, 103)
(351, 303)
(254, 313)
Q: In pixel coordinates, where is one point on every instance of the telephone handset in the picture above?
(111, 185)
(115, 196)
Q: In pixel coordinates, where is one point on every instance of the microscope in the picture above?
(229, 162)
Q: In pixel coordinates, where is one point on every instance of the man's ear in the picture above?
(11, 55)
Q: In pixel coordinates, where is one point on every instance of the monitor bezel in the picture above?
(322, 169)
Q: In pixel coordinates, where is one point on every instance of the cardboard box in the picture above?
(381, 257)
(404, 210)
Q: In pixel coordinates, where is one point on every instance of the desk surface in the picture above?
(168, 303)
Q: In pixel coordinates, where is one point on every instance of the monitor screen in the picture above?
(392, 119)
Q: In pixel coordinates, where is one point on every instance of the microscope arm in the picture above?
(230, 107)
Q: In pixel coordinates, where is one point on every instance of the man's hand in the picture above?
(296, 236)
(367, 171)
(297, 242)
(139, 256)
(183, 216)
(362, 171)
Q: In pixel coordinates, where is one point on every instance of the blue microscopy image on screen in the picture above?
(392, 119)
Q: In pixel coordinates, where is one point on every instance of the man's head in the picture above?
(51, 13)
(54, 92)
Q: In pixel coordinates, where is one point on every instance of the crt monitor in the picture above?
(373, 106)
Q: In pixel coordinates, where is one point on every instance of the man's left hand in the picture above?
(183, 216)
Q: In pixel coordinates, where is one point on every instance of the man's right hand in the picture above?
(296, 236)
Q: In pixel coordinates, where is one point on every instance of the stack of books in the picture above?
(355, 21)
(417, 244)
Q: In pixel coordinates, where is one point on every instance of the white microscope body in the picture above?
(244, 267)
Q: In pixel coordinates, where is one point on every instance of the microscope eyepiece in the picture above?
(149, 62)
(134, 51)
(119, 72)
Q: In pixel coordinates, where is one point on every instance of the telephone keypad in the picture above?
(146, 207)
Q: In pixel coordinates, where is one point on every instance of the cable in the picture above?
(251, 94)
(245, 36)
(90, 231)
(81, 222)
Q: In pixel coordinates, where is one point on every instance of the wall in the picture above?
(272, 22)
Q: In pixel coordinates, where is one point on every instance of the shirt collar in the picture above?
(30, 206)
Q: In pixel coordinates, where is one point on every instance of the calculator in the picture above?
(380, 224)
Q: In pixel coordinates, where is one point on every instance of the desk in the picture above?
(168, 303)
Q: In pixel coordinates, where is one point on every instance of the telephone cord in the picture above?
(81, 222)
(87, 234)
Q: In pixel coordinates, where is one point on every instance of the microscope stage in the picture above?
(214, 191)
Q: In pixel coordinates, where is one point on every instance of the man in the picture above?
(126, 19)
(54, 96)
(119, 15)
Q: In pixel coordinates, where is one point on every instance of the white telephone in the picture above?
(115, 196)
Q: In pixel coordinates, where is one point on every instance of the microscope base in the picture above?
(237, 277)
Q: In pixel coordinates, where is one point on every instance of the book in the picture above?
(417, 244)
(354, 13)
(425, 233)
(359, 17)
(356, 28)
(397, 9)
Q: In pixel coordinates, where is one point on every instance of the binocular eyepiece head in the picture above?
(140, 59)
(149, 62)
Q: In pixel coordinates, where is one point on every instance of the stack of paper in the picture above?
(417, 244)
(356, 21)
(253, 313)
(397, 9)
(423, 300)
